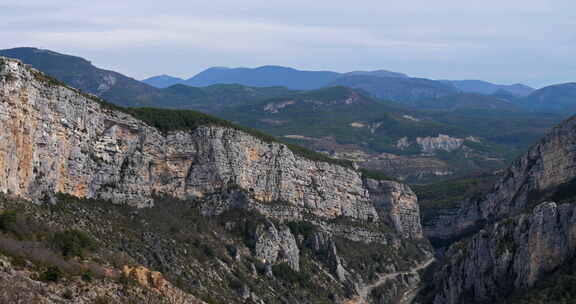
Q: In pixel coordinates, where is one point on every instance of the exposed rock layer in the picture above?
(59, 140)
(508, 255)
(519, 239)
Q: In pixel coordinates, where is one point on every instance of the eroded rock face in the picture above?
(522, 239)
(277, 245)
(430, 145)
(145, 277)
(508, 255)
(440, 143)
(57, 140)
(397, 205)
(531, 179)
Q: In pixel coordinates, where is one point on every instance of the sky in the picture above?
(503, 41)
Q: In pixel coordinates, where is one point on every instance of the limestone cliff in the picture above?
(546, 171)
(508, 256)
(517, 237)
(58, 140)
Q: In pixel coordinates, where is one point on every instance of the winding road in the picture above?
(365, 290)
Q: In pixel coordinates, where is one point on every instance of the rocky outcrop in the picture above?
(430, 145)
(508, 255)
(516, 239)
(440, 143)
(397, 205)
(546, 171)
(145, 277)
(58, 140)
(276, 245)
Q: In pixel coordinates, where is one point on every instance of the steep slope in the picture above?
(402, 90)
(290, 211)
(162, 81)
(560, 98)
(524, 226)
(265, 76)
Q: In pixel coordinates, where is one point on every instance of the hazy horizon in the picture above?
(530, 42)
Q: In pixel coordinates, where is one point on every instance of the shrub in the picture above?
(284, 272)
(87, 276)
(68, 295)
(72, 243)
(304, 228)
(377, 175)
(7, 220)
(52, 274)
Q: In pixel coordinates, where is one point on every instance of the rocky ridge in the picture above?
(521, 230)
(507, 256)
(59, 140)
(532, 178)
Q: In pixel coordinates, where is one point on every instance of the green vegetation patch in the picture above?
(377, 175)
(72, 243)
(433, 198)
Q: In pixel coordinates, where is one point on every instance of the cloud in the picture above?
(505, 41)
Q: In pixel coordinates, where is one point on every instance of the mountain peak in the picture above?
(263, 76)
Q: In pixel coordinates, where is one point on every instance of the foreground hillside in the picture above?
(221, 203)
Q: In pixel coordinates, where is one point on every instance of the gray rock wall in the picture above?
(508, 255)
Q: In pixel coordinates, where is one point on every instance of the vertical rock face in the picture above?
(275, 245)
(546, 166)
(397, 205)
(508, 255)
(533, 178)
(523, 239)
(55, 139)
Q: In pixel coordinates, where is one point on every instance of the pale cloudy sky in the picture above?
(505, 41)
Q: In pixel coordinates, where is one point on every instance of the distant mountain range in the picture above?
(380, 83)
(264, 76)
(239, 85)
(487, 88)
(125, 91)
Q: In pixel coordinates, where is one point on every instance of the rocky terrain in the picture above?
(516, 235)
(68, 149)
